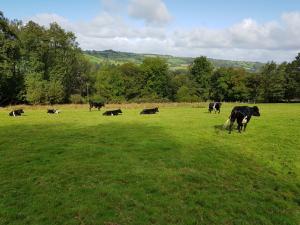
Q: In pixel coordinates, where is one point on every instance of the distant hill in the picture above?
(174, 62)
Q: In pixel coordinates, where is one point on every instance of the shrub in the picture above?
(77, 99)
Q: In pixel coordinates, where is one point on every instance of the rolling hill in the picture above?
(116, 57)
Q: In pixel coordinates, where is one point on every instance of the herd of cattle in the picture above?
(241, 114)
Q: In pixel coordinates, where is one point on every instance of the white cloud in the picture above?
(112, 6)
(246, 40)
(151, 11)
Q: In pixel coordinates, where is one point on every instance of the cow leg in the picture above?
(98, 108)
(240, 127)
(230, 126)
(245, 125)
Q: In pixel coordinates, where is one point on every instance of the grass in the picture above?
(176, 167)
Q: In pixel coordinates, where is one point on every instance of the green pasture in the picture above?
(177, 167)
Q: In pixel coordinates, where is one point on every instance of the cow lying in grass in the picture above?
(242, 114)
(53, 111)
(112, 112)
(97, 105)
(214, 106)
(17, 112)
(149, 111)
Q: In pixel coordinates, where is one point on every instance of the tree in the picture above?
(54, 54)
(155, 77)
(131, 74)
(186, 94)
(229, 84)
(220, 83)
(253, 81)
(55, 92)
(292, 79)
(272, 85)
(200, 72)
(11, 81)
(36, 88)
(109, 84)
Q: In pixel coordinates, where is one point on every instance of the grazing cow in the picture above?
(242, 114)
(214, 106)
(112, 112)
(53, 111)
(97, 105)
(149, 111)
(17, 112)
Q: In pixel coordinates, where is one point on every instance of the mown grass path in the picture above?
(176, 167)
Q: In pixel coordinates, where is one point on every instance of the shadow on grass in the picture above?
(225, 128)
(125, 173)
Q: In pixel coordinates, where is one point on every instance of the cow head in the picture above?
(119, 111)
(156, 109)
(255, 111)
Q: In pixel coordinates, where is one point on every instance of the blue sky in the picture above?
(233, 29)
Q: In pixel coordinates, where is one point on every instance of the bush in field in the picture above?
(98, 98)
(77, 99)
(35, 88)
(55, 92)
(186, 94)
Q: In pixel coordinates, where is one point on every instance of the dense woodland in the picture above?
(40, 65)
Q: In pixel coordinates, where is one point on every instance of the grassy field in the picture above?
(117, 58)
(176, 167)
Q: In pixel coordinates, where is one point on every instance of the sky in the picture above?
(253, 30)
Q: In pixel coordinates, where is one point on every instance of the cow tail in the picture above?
(226, 123)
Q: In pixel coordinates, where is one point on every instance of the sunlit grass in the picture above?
(176, 167)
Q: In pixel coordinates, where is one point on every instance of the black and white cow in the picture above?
(53, 111)
(149, 111)
(17, 112)
(214, 106)
(96, 105)
(242, 114)
(112, 112)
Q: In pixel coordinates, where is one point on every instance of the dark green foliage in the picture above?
(292, 79)
(43, 65)
(272, 83)
(155, 77)
(131, 73)
(200, 73)
(40, 65)
(11, 81)
(229, 84)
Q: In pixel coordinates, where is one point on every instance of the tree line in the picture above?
(41, 65)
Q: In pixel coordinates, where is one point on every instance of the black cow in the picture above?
(149, 111)
(97, 105)
(53, 111)
(242, 114)
(214, 106)
(112, 112)
(17, 112)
